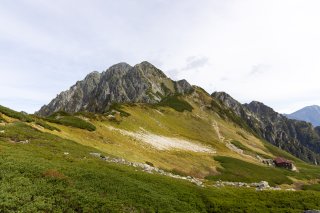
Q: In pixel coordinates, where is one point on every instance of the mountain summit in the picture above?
(310, 114)
(121, 83)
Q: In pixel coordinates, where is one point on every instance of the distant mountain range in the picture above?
(309, 114)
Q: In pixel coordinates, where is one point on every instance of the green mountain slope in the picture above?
(43, 171)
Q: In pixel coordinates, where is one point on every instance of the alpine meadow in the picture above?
(169, 125)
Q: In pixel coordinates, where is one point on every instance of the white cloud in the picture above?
(46, 46)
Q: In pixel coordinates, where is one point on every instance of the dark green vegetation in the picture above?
(70, 120)
(13, 114)
(38, 176)
(238, 170)
(176, 103)
(2, 119)
(118, 107)
(241, 146)
(313, 187)
(46, 126)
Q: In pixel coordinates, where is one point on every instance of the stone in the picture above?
(263, 185)
(95, 154)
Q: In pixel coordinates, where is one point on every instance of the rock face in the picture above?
(297, 137)
(310, 114)
(121, 83)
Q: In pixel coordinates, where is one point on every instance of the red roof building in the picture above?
(282, 162)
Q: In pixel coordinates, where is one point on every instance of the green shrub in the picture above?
(13, 114)
(176, 103)
(240, 146)
(66, 119)
(313, 187)
(2, 119)
(46, 126)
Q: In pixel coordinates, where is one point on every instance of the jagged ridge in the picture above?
(121, 83)
(296, 137)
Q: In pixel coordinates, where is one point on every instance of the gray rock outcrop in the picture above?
(296, 137)
(121, 83)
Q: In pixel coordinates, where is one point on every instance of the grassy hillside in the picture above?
(201, 126)
(40, 176)
(13, 114)
(238, 170)
(45, 164)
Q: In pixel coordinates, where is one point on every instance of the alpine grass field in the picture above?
(46, 165)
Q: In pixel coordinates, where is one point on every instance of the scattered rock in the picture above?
(268, 162)
(111, 117)
(294, 168)
(147, 168)
(95, 154)
(262, 186)
(2, 131)
(23, 142)
(234, 148)
(66, 153)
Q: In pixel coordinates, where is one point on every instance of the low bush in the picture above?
(46, 126)
(312, 187)
(176, 103)
(66, 119)
(14, 114)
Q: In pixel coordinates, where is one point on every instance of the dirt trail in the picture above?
(217, 129)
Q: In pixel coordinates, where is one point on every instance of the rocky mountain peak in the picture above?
(262, 110)
(121, 83)
(226, 99)
(183, 86)
(149, 70)
(229, 102)
(258, 107)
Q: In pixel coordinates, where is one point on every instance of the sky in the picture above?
(264, 50)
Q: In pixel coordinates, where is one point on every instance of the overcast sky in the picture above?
(265, 50)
